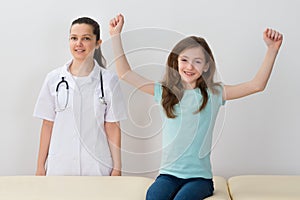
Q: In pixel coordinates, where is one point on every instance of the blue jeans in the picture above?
(167, 187)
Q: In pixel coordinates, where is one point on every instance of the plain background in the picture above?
(258, 134)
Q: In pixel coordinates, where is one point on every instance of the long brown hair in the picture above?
(173, 88)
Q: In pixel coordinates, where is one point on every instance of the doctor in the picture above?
(81, 105)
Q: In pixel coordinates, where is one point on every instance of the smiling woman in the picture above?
(80, 133)
(82, 41)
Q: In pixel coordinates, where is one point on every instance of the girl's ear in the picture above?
(99, 42)
(206, 67)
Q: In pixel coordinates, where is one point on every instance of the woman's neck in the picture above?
(81, 68)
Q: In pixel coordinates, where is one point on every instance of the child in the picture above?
(190, 102)
(81, 106)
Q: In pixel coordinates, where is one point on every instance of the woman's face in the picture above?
(82, 41)
(191, 65)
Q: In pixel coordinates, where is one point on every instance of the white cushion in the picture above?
(73, 188)
(264, 187)
(86, 187)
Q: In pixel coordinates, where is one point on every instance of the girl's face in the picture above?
(191, 65)
(83, 41)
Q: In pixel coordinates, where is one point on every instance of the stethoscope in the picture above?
(65, 82)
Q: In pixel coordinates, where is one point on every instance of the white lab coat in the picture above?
(78, 143)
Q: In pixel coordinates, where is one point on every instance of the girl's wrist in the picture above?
(273, 49)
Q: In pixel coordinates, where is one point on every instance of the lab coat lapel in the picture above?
(75, 96)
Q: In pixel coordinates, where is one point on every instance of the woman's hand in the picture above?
(116, 25)
(115, 172)
(40, 171)
(273, 39)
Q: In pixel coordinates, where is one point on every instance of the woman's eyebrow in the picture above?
(73, 34)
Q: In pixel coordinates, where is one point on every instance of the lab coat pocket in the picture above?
(104, 170)
(52, 166)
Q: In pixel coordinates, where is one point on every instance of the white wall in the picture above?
(255, 135)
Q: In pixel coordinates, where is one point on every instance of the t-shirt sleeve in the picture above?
(217, 95)
(116, 110)
(157, 92)
(221, 91)
(45, 104)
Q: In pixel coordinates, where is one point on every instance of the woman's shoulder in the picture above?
(55, 73)
(109, 75)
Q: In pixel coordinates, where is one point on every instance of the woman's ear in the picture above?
(99, 42)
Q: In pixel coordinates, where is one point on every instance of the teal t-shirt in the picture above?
(187, 139)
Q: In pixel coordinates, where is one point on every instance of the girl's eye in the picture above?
(183, 60)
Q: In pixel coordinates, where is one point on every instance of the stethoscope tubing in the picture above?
(64, 81)
(102, 98)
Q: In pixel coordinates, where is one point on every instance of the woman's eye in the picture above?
(86, 38)
(183, 60)
(73, 38)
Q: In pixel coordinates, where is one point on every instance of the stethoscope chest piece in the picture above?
(102, 100)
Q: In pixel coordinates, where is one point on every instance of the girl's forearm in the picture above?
(122, 64)
(261, 78)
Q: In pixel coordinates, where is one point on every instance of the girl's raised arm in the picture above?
(123, 68)
(273, 40)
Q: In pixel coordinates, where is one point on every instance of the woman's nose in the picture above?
(79, 42)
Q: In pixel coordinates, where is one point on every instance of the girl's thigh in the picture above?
(195, 189)
(165, 187)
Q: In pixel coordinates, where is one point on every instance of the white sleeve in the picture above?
(45, 105)
(116, 110)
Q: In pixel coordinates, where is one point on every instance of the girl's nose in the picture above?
(189, 65)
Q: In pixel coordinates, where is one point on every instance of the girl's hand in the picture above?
(116, 25)
(273, 38)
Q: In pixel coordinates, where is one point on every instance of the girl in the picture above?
(190, 101)
(81, 106)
